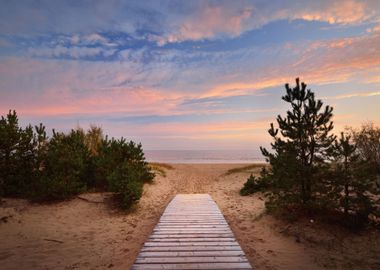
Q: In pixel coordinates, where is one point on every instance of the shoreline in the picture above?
(208, 163)
(237, 163)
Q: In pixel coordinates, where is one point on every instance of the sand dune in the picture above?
(89, 233)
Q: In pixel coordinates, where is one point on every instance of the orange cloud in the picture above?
(374, 29)
(373, 79)
(351, 95)
(341, 12)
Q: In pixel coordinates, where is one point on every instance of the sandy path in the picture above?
(93, 235)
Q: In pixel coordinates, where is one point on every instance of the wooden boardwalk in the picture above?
(192, 234)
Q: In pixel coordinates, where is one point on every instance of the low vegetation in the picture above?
(247, 168)
(40, 168)
(315, 172)
(160, 168)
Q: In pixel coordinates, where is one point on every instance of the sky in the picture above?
(186, 74)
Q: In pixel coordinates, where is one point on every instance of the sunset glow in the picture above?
(186, 74)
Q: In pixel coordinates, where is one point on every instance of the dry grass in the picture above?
(160, 168)
(251, 168)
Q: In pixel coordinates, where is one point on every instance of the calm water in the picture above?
(203, 156)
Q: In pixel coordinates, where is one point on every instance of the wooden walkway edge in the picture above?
(192, 234)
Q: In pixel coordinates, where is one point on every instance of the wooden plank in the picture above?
(191, 219)
(175, 215)
(211, 259)
(204, 229)
(191, 232)
(186, 266)
(197, 243)
(192, 235)
(182, 214)
(191, 253)
(177, 240)
(191, 216)
(222, 222)
(182, 231)
(183, 236)
(189, 226)
(193, 248)
(186, 225)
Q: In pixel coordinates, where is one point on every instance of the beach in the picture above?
(90, 232)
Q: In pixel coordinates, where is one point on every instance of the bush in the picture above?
(121, 168)
(65, 167)
(353, 181)
(367, 141)
(255, 184)
(16, 156)
(125, 182)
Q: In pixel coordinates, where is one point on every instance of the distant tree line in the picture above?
(40, 168)
(314, 171)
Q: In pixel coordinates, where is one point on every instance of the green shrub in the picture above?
(126, 182)
(65, 167)
(256, 184)
(253, 185)
(114, 153)
(120, 167)
(16, 156)
(249, 186)
(367, 141)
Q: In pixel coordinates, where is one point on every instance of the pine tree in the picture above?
(345, 157)
(354, 184)
(17, 147)
(300, 144)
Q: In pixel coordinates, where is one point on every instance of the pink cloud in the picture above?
(238, 88)
(212, 130)
(123, 100)
(210, 21)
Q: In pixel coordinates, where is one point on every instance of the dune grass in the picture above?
(244, 169)
(160, 168)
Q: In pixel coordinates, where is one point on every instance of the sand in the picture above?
(90, 233)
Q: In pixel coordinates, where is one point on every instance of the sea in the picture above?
(203, 156)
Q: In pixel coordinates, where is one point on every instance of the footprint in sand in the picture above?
(243, 228)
